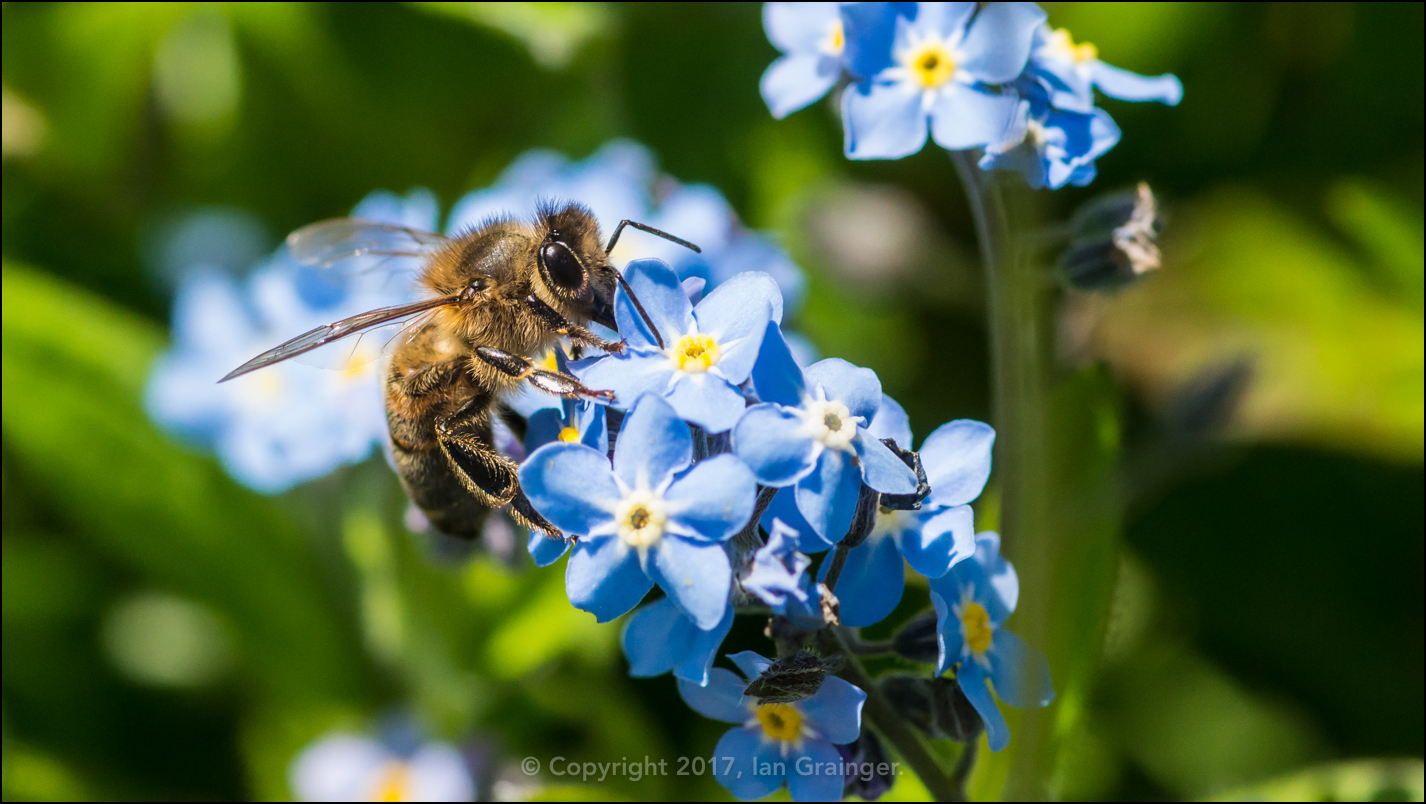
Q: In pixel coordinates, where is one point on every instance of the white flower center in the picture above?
(891, 522)
(829, 422)
(640, 517)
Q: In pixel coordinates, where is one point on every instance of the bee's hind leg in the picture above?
(490, 476)
(522, 368)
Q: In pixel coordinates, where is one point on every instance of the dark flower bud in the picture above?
(955, 717)
(912, 501)
(790, 679)
(1115, 241)
(917, 639)
(868, 773)
(912, 699)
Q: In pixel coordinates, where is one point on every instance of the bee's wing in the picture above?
(330, 333)
(327, 243)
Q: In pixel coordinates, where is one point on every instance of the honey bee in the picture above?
(497, 295)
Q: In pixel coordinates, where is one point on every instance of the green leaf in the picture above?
(1360, 780)
(75, 368)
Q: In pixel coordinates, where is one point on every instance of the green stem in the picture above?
(1017, 305)
(896, 730)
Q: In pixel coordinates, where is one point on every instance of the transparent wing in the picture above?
(358, 326)
(327, 243)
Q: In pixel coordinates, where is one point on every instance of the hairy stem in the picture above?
(896, 730)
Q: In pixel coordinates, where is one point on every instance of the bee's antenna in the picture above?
(651, 230)
(637, 306)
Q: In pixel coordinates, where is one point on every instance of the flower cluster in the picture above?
(731, 466)
(991, 76)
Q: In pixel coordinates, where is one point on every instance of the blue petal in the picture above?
(816, 773)
(853, 386)
(714, 500)
(659, 638)
(891, 421)
(882, 121)
(835, 712)
(956, 457)
(784, 507)
(776, 375)
(946, 20)
(998, 44)
(792, 82)
(571, 485)
(881, 469)
(696, 575)
(543, 428)
(752, 664)
(999, 572)
(766, 438)
(708, 401)
(720, 699)
(1127, 86)
(948, 627)
(653, 444)
(736, 315)
(945, 537)
(871, 582)
(778, 571)
(966, 117)
(972, 680)
(870, 29)
(629, 376)
(798, 27)
(544, 550)
(594, 427)
(603, 577)
(1021, 674)
(657, 288)
(751, 749)
(827, 497)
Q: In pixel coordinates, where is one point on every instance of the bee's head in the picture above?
(572, 264)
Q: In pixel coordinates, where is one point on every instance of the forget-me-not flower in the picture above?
(932, 70)
(956, 457)
(659, 638)
(811, 37)
(810, 432)
(1050, 146)
(351, 767)
(645, 520)
(778, 742)
(707, 350)
(1070, 72)
(288, 423)
(778, 577)
(972, 602)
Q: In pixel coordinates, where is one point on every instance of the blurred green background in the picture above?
(169, 634)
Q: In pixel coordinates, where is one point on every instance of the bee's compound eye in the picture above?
(561, 266)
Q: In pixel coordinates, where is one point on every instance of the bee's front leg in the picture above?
(522, 368)
(560, 325)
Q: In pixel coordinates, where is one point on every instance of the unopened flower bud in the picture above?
(1115, 240)
(791, 679)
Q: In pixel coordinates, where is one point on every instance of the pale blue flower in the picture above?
(934, 72)
(659, 638)
(811, 38)
(1070, 72)
(793, 743)
(1052, 147)
(350, 767)
(972, 603)
(648, 519)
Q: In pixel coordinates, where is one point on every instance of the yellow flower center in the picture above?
(931, 64)
(569, 434)
(695, 353)
(835, 40)
(780, 721)
(394, 784)
(641, 519)
(976, 629)
(548, 362)
(1063, 45)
